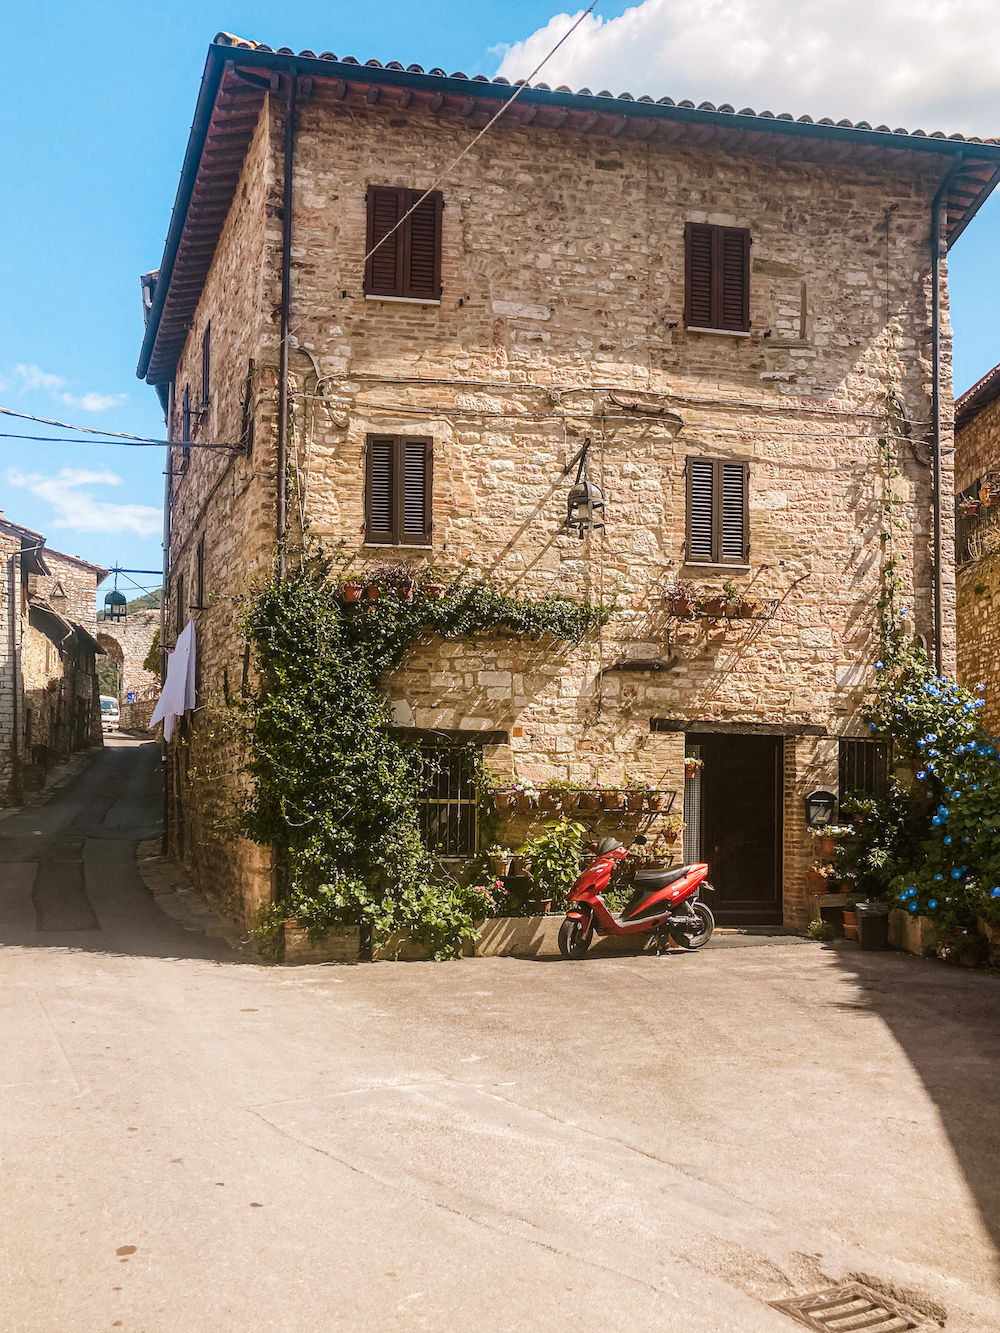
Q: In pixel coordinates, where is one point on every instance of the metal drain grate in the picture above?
(849, 1307)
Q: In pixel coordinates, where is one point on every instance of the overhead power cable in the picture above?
(109, 436)
(526, 83)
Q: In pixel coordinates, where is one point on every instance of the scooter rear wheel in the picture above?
(699, 934)
(574, 940)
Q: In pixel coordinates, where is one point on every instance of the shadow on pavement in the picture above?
(946, 1020)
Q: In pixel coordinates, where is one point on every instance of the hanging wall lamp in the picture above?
(585, 502)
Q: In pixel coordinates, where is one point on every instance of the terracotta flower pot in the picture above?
(520, 866)
(525, 803)
(549, 800)
(747, 610)
(589, 800)
(734, 610)
(504, 800)
(352, 592)
(670, 836)
(682, 607)
(634, 800)
(404, 591)
(827, 846)
(691, 769)
(539, 906)
(371, 591)
(655, 801)
(500, 866)
(850, 924)
(611, 800)
(435, 591)
(570, 801)
(715, 606)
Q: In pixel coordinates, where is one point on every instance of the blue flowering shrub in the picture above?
(952, 872)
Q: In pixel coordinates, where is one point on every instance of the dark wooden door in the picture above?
(741, 827)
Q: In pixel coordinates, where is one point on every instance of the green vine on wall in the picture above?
(333, 790)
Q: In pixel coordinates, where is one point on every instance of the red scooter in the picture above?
(664, 903)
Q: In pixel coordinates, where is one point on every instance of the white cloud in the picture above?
(24, 378)
(94, 402)
(915, 63)
(77, 509)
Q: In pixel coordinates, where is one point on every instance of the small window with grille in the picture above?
(447, 803)
(864, 766)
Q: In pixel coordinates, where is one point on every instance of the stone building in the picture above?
(126, 643)
(737, 311)
(49, 699)
(977, 540)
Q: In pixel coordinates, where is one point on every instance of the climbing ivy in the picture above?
(332, 789)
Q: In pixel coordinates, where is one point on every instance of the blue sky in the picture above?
(97, 109)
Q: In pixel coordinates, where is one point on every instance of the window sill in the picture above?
(400, 546)
(707, 564)
(722, 333)
(403, 300)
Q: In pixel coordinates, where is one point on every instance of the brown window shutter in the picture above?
(384, 270)
(733, 514)
(417, 457)
(734, 312)
(380, 490)
(422, 242)
(717, 277)
(698, 245)
(700, 510)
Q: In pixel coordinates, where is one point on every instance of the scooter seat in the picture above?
(659, 879)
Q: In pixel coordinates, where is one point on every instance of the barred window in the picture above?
(864, 766)
(447, 803)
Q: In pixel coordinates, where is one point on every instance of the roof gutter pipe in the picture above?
(286, 279)
(936, 408)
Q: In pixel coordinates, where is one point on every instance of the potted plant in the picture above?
(733, 595)
(656, 800)
(505, 798)
(611, 797)
(819, 876)
(671, 831)
(548, 799)
(681, 598)
(829, 836)
(590, 800)
(692, 765)
(435, 591)
(559, 794)
(527, 796)
(371, 592)
(499, 859)
(851, 901)
(969, 507)
(635, 796)
(351, 591)
(715, 608)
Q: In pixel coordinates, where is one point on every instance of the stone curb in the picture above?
(174, 893)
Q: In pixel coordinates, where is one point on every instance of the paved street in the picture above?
(194, 1141)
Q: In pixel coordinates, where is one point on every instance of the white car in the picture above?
(110, 715)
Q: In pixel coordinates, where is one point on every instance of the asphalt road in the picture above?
(193, 1141)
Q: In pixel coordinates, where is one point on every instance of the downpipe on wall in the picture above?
(936, 407)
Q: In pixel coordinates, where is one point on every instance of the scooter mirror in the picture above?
(640, 840)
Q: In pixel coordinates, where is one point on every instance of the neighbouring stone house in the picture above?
(977, 540)
(735, 309)
(49, 699)
(126, 643)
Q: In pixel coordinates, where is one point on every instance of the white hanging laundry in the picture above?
(178, 693)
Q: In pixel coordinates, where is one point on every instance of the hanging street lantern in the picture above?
(114, 605)
(585, 502)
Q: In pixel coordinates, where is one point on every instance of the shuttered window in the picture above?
(717, 277)
(407, 264)
(718, 530)
(398, 490)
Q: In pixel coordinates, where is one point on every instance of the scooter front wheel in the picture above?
(699, 932)
(574, 938)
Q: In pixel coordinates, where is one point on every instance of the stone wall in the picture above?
(563, 278)
(128, 642)
(977, 451)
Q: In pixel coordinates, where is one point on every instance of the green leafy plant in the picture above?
(821, 930)
(331, 789)
(151, 662)
(555, 858)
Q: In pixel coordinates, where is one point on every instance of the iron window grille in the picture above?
(864, 766)
(448, 804)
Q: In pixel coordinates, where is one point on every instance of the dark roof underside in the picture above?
(238, 76)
